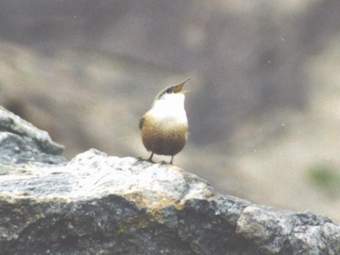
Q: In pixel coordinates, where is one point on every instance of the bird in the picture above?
(164, 128)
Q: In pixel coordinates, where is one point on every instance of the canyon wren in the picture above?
(164, 128)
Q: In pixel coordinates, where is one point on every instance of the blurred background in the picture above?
(264, 102)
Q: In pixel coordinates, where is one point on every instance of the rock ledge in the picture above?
(100, 204)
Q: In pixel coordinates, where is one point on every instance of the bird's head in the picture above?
(171, 91)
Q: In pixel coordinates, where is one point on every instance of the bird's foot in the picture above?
(145, 159)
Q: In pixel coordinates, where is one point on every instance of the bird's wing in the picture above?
(141, 122)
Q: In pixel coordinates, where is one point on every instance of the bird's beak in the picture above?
(179, 88)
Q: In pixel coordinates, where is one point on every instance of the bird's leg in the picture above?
(150, 158)
(172, 159)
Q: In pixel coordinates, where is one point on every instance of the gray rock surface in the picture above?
(100, 204)
(21, 142)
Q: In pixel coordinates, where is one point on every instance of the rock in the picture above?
(21, 142)
(100, 204)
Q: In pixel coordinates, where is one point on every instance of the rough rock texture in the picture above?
(21, 142)
(100, 204)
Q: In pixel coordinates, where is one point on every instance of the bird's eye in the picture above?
(169, 90)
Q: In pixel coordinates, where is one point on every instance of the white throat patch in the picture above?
(170, 107)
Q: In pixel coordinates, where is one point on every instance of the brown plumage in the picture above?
(161, 137)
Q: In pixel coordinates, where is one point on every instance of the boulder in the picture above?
(101, 204)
